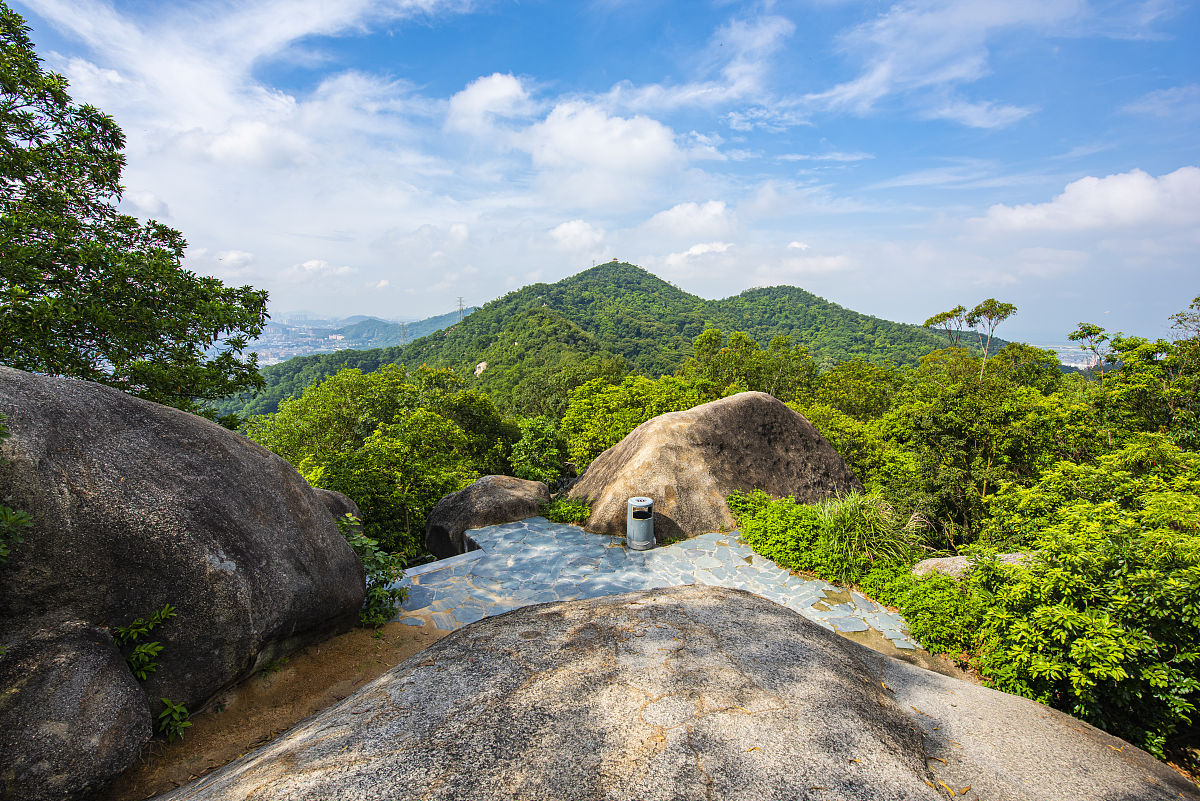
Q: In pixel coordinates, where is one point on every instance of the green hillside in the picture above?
(605, 321)
(383, 334)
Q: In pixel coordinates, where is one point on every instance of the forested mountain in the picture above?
(384, 334)
(606, 321)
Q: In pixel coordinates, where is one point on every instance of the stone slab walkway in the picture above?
(536, 561)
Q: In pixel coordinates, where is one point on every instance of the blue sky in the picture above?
(388, 157)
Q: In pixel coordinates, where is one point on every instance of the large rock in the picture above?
(72, 716)
(136, 505)
(487, 502)
(689, 692)
(957, 566)
(688, 462)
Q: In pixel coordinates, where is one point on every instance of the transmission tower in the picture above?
(460, 309)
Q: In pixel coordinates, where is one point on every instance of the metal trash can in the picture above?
(639, 524)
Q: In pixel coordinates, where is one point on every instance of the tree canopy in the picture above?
(86, 291)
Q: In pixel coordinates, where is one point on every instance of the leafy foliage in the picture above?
(142, 626)
(394, 441)
(382, 571)
(173, 719)
(143, 657)
(88, 292)
(568, 510)
(541, 453)
(839, 539)
(601, 414)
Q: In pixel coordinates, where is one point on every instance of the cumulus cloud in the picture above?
(318, 269)
(578, 135)
(676, 260)
(1125, 200)
(589, 158)
(690, 219)
(576, 235)
(474, 108)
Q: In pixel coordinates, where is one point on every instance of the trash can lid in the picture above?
(640, 501)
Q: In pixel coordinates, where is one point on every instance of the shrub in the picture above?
(381, 569)
(944, 614)
(1103, 621)
(567, 510)
(840, 539)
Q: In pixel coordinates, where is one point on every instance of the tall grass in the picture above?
(840, 539)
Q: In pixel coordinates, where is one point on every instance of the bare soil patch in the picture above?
(269, 703)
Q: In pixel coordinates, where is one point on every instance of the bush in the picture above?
(567, 510)
(945, 615)
(1103, 621)
(840, 539)
(382, 571)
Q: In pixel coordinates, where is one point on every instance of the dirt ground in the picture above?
(268, 704)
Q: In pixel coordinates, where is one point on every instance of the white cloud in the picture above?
(690, 219)
(985, 114)
(738, 59)
(383, 283)
(1176, 103)
(928, 48)
(235, 259)
(142, 203)
(1124, 200)
(831, 156)
(318, 269)
(578, 135)
(589, 158)
(677, 260)
(797, 245)
(576, 235)
(472, 110)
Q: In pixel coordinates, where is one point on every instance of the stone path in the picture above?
(536, 561)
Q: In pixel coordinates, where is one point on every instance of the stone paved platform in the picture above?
(536, 561)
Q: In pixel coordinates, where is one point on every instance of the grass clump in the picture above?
(840, 539)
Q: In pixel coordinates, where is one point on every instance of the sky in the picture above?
(387, 157)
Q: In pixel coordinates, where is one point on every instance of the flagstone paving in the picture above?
(536, 561)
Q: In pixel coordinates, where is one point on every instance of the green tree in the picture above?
(541, 453)
(85, 291)
(601, 414)
(394, 441)
(990, 313)
(951, 323)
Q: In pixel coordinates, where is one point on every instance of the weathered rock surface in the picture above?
(688, 692)
(72, 716)
(688, 462)
(487, 502)
(136, 505)
(956, 566)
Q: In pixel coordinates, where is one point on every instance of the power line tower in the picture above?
(403, 334)
(460, 309)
